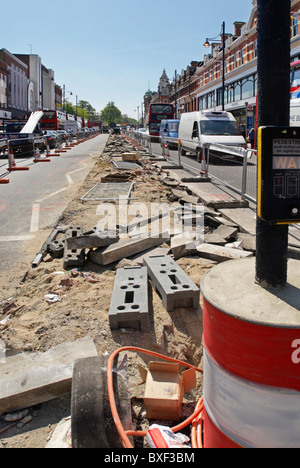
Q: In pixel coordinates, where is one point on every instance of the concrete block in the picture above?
(221, 254)
(29, 379)
(73, 257)
(183, 244)
(92, 241)
(127, 248)
(226, 232)
(131, 156)
(129, 306)
(172, 283)
(57, 248)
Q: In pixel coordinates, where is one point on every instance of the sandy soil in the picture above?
(35, 325)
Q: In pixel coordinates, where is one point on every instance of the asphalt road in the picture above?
(35, 199)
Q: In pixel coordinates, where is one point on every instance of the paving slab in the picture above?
(222, 254)
(245, 218)
(29, 379)
(127, 248)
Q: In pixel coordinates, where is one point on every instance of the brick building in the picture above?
(199, 86)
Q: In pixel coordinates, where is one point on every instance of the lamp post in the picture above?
(207, 44)
(64, 96)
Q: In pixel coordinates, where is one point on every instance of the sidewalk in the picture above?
(239, 212)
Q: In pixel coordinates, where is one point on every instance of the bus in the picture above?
(295, 79)
(53, 120)
(157, 113)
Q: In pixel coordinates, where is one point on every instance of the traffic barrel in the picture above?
(12, 163)
(251, 359)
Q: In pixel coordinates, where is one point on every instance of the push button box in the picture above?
(278, 199)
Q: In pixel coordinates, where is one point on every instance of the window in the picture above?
(195, 133)
(294, 26)
(247, 88)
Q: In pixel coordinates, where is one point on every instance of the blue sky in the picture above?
(114, 50)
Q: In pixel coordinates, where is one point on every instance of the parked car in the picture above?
(169, 132)
(63, 134)
(199, 128)
(52, 138)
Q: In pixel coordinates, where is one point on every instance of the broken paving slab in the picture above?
(183, 245)
(127, 248)
(92, 241)
(221, 254)
(245, 218)
(213, 196)
(226, 232)
(29, 379)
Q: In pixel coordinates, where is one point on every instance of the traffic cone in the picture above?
(38, 156)
(167, 151)
(12, 163)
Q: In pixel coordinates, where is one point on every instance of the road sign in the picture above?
(278, 198)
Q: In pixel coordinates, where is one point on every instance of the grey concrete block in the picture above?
(173, 285)
(73, 257)
(57, 248)
(129, 306)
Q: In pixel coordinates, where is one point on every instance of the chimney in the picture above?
(238, 27)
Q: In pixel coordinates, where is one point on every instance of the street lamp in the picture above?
(64, 96)
(207, 44)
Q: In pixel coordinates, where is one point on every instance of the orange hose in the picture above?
(196, 419)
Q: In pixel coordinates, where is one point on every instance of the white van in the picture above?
(196, 129)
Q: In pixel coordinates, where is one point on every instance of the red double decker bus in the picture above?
(295, 79)
(53, 120)
(157, 113)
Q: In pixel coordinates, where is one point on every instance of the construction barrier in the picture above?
(37, 157)
(251, 388)
(12, 163)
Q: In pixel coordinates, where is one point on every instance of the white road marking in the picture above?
(35, 217)
(51, 195)
(15, 238)
(68, 176)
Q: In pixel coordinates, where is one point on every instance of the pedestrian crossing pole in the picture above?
(273, 69)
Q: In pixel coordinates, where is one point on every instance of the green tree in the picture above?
(111, 114)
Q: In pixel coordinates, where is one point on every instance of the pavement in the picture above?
(217, 196)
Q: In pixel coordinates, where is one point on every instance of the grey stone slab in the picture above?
(129, 306)
(173, 285)
(29, 379)
(220, 253)
(127, 248)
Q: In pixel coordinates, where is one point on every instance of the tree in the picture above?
(111, 114)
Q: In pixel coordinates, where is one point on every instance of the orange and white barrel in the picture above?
(251, 360)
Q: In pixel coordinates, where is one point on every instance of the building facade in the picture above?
(200, 85)
(26, 85)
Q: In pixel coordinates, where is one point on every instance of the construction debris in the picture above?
(90, 287)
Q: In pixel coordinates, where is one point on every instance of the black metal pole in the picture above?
(223, 66)
(273, 68)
